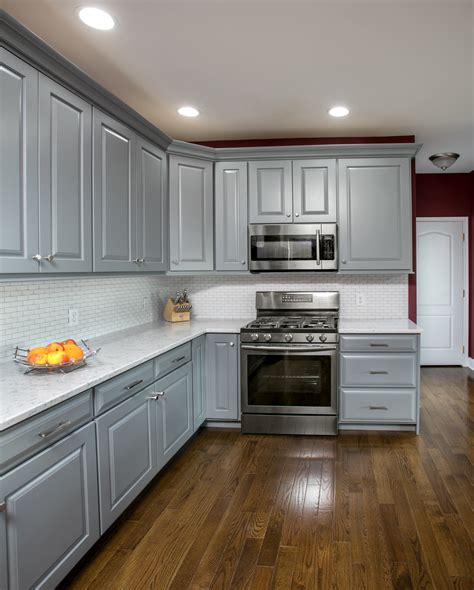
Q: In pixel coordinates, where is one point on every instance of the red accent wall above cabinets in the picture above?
(447, 195)
(287, 141)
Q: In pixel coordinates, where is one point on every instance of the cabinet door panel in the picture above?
(191, 214)
(65, 179)
(314, 191)
(114, 195)
(126, 437)
(174, 412)
(231, 216)
(152, 221)
(222, 376)
(375, 215)
(52, 515)
(199, 381)
(270, 192)
(19, 229)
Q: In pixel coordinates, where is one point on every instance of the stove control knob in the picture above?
(323, 337)
(267, 337)
(288, 337)
(310, 338)
(254, 337)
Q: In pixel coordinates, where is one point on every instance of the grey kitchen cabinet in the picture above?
(199, 381)
(270, 191)
(152, 213)
(191, 214)
(174, 411)
(114, 195)
(65, 193)
(375, 214)
(314, 191)
(222, 376)
(231, 215)
(51, 514)
(127, 453)
(19, 203)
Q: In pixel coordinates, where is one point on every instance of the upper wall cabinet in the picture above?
(299, 191)
(65, 180)
(314, 191)
(19, 228)
(191, 214)
(152, 219)
(375, 214)
(231, 215)
(115, 195)
(270, 194)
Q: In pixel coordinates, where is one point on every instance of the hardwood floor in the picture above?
(363, 510)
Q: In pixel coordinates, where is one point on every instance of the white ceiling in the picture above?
(271, 68)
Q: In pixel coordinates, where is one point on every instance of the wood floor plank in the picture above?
(365, 510)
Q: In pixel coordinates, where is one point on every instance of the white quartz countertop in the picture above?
(23, 396)
(378, 327)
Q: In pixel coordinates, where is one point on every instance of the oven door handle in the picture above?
(318, 252)
(289, 348)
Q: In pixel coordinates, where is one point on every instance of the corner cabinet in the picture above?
(191, 214)
(375, 214)
(222, 376)
(51, 514)
(231, 215)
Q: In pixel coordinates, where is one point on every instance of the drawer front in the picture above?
(378, 405)
(171, 360)
(123, 386)
(375, 370)
(378, 343)
(27, 438)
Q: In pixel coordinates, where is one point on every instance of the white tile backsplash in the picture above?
(36, 311)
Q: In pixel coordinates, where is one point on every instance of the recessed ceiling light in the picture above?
(338, 111)
(96, 18)
(188, 111)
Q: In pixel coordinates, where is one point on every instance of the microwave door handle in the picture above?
(318, 252)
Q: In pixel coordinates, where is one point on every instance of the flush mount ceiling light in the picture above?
(96, 18)
(188, 111)
(338, 111)
(444, 160)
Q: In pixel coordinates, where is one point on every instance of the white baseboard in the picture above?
(470, 363)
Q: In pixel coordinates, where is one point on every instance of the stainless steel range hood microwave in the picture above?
(293, 247)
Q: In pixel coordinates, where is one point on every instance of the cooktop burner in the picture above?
(289, 323)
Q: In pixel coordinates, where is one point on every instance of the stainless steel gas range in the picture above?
(289, 358)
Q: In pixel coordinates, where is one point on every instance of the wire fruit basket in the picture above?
(21, 354)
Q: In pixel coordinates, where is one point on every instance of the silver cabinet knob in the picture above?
(135, 260)
(343, 261)
(174, 262)
(49, 258)
(141, 260)
(288, 214)
(242, 262)
(37, 257)
(297, 214)
(156, 396)
(231, 344)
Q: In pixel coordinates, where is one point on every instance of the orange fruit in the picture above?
(74, 352)
(54, 347)
(37, 358)
(58, 357)
(68, 341)
(38, 350)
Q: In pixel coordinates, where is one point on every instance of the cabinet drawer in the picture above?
(115, 390)
(372, 370)
(172, 359)
(27, 438)
(378, 405)
(378, 343)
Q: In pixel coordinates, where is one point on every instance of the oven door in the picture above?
(293, 247)
(295, 379)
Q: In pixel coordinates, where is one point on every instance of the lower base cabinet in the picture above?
(50, 517)
(127, 451)
(174, 411)
(222, 377)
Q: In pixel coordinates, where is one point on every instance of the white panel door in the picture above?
(440, 291)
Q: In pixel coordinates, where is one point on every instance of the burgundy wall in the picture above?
(447, 195)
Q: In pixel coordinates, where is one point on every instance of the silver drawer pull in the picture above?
(181, 358)
(58, 428)
(379, 372)
(378, 408)
(374, 345)
(134, 384)
(157, 395)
